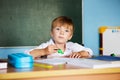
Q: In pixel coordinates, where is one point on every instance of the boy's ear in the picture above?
(51, 34)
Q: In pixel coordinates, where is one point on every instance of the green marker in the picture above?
(112, 55)
(60, 51)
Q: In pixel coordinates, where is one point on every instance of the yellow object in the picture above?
(43, 65)
(102, 29)
(100, 48)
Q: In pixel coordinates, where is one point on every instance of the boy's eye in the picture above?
(66, 30)
(57, 28)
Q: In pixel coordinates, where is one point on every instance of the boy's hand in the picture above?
(81, 54)
(51, 49)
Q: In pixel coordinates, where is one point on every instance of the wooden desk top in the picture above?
(61, 70)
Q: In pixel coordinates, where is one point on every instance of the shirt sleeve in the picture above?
(41, 46)
(77, 48)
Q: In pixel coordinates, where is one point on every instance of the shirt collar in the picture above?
(52, 42)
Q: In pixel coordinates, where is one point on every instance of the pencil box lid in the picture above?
(20, 60)
(20, 57)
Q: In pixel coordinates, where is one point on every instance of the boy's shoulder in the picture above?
(45, 44)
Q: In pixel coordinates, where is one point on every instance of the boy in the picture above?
(58, 46)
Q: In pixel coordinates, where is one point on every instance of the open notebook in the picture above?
(81, 62)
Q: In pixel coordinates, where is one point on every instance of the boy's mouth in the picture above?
(60, 37)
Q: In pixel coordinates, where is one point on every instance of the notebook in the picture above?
(53, 61)
(80, 62)
(111, 59)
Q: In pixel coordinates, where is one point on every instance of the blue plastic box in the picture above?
(20, 60)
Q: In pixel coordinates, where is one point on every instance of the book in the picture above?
(80, 62)
(3, 64)
(111, 59)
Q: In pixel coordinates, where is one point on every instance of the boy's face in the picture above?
(61, 34)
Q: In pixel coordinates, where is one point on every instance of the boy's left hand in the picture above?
(81, 54)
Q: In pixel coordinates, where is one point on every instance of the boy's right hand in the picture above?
(51, 49)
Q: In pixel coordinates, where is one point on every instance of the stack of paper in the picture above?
(91, 63)
(3, 65)
(53, 61)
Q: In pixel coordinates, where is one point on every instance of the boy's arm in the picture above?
(79, 51)
(84, 54)
(80, 54)
(38, 52)
(45, 51)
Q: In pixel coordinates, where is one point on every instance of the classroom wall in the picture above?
(98, 13)
(5, 51)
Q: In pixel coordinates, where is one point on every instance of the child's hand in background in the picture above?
(51, 49)
(45, 51)
(81, 54)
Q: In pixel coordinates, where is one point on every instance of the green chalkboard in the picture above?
(28, 22)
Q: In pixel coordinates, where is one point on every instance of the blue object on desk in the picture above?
(107, 58)
(20, 60)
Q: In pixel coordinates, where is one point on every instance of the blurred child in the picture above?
(62, 29)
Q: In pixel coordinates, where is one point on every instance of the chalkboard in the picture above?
(28, 22)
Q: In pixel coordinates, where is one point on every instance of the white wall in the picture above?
(98, 13)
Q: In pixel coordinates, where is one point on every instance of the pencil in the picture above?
(43, 65)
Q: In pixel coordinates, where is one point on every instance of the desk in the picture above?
(61, 72)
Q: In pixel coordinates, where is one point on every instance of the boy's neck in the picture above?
(61, 46)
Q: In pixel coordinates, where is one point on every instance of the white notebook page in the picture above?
(82, 62)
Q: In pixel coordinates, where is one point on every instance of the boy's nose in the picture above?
(62, 32)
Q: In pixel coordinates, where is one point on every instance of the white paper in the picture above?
(81, 62)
